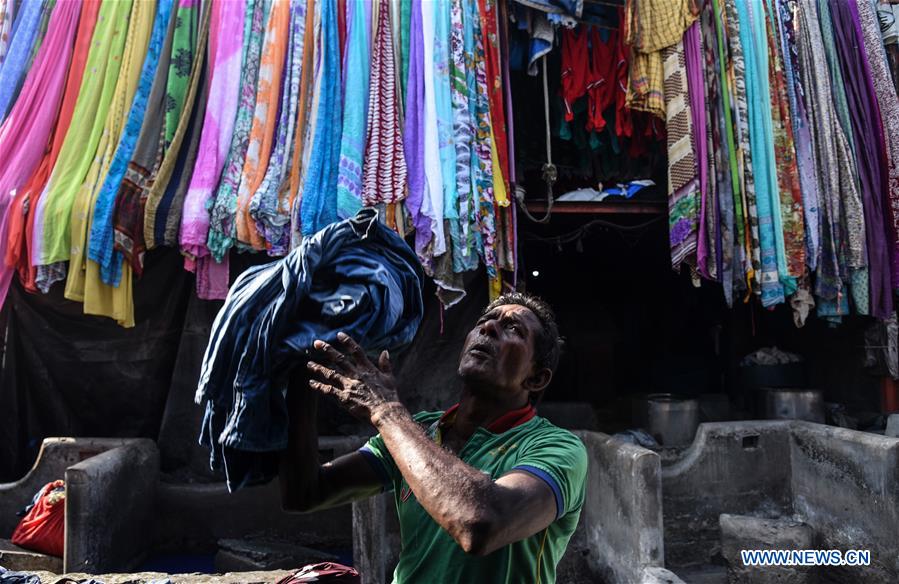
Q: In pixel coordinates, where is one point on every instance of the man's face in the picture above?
(499, 350)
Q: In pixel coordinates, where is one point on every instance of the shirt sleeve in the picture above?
(559, 459)
(376, 453)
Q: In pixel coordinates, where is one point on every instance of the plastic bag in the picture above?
(43, 527)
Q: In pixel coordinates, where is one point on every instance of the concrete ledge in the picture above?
(845, 485)
(622, 515)
(110, 499)
(17, 559)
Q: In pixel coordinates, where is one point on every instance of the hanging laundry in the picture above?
(16, 61)
(33, 115)
(356, 77)
(21, 234)
(53, 218)
(228, 35)
(166, 196)
(270, 206)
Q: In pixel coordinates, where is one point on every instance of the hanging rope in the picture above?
(550, 173)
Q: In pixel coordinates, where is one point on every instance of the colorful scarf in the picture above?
(265, 118)
(34, 115)
(384, 171)
(84, 282)
(319, 193)
(128, 215)
(269, 205)
(352, 141)
(162, 207)
(224, 93)
(52, 222)
(101, 243)
(223, 207)
(21, 230)
(15, 64)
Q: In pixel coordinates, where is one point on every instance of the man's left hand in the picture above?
(346, 373)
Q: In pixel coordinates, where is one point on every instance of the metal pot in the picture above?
(670, 419)
(793, 404)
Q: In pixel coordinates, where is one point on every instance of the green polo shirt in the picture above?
(429, 553)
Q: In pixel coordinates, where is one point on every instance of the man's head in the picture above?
(514, 346)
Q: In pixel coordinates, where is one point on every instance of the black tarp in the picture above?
(68, 374)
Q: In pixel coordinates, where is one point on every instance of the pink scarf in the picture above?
(34, 115)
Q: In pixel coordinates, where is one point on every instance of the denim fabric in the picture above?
(355, 276)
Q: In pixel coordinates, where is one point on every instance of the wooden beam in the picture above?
(602, 208)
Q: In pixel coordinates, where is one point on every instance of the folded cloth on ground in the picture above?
(356, 276)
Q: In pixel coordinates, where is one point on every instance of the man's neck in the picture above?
(479, 411)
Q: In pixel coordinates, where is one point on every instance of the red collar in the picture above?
(502, 424)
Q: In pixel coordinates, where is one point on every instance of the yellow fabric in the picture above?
(84, 282)
(500, 195)
(650, 26)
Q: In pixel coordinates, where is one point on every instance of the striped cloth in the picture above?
(384, 170)
(683, 179)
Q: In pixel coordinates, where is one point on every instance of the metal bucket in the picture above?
(670, 419)
(793, 404)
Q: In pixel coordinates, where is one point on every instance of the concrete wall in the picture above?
(110, 499)
(742, 468)
(846, 486)
(622, 515)
(56, 455)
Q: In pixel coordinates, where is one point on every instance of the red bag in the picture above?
(324, 572)
(43, 527)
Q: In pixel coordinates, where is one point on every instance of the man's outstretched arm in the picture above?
(481, 514)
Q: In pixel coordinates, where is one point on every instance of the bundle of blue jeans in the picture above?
(356, 276)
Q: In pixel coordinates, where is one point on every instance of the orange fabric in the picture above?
(262, 134)
(21, 216)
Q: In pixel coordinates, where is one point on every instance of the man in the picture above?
(485, 491)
